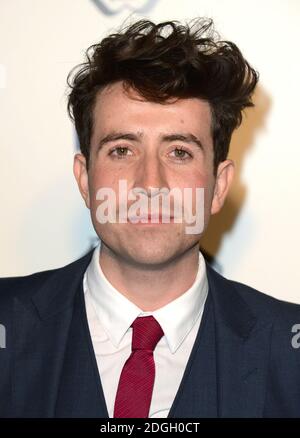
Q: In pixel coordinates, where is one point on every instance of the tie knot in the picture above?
(146, 333)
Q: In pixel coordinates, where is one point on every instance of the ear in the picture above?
(81, 175)
(225, 174)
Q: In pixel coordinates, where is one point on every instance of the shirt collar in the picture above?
(117, 313)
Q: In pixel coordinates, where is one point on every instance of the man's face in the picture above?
(159, 146)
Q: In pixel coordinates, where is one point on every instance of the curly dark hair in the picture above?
(161, 61)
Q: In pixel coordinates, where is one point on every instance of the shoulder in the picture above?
(262, 300)
(26, 286)
(261, 304)
(275, 326)
(285, 313)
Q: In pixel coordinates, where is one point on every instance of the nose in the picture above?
(151, 175)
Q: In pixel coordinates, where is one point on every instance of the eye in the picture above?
(182, 154)
(119, 152)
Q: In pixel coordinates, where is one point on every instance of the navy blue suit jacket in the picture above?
(242, 363)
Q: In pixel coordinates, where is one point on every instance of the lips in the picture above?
(154, 218)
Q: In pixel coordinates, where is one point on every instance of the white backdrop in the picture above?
(44, 223)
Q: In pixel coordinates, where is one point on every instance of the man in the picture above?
(142, 326)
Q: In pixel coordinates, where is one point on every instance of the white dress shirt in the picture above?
(110, 315)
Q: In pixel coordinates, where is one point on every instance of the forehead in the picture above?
(115, 107)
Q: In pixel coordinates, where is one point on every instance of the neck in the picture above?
(150, 288)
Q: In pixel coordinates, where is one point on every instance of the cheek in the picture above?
(198, 180)
(101, 176)
(98, 180)
(205, 182)
(194, 188)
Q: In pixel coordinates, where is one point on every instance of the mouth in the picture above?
(153, 219)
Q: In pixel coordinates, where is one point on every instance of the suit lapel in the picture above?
(80, 389)
(226, 372)
(38, 357)
(41, 326)
(241, 351)
(197, 394)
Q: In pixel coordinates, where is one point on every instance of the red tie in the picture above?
(137, 378)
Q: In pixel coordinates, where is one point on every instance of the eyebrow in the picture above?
(114, 136)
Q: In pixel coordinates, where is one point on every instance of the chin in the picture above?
(153, 253)
(154, 260)
(141, 252)
(145, 248)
